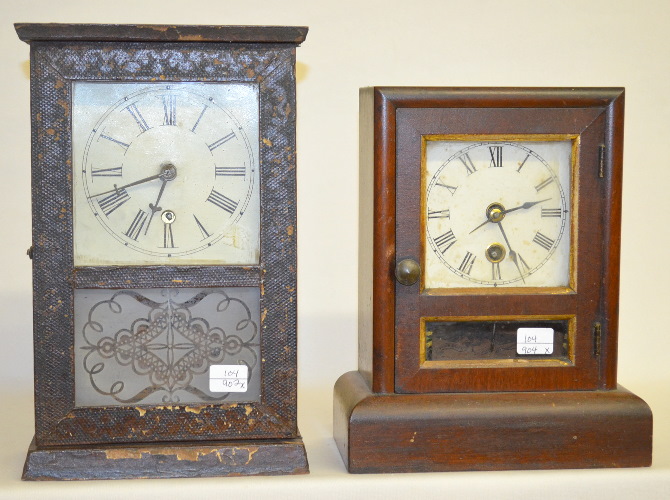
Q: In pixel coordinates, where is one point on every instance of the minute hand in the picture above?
(512, 254)
(526, 205)
(116, 188)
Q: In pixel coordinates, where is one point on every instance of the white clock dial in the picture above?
(165, 173)
(497, 213)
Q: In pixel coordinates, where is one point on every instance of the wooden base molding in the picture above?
(489, 431)
(229, 458)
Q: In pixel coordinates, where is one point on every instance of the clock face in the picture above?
(165, 173)
(497, 213)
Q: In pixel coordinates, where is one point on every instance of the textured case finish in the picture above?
(61, 54)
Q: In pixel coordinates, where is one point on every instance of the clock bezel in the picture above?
(59, 57)
(572, 214)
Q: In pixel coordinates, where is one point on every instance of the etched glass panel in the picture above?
(166, 346)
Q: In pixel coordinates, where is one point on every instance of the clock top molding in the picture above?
(32, 32)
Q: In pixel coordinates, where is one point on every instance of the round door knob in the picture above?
(407, 271)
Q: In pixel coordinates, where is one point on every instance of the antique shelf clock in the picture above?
(164, 251)
(488, 284)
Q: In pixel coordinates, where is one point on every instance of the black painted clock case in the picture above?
(161, 441)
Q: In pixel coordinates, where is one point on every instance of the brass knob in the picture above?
(407, 272)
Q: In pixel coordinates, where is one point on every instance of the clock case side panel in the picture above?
(612, 171)
(54, 66)
(53, 304)
(376, 240)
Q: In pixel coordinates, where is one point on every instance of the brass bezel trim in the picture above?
(575, 139)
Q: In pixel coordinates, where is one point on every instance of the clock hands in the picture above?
(118, 188)
(512, 254)
(168, 172)
(526, 205)
(154, 206)
(496, 212)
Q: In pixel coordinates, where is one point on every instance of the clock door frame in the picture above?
(392, 356)
(62, 54)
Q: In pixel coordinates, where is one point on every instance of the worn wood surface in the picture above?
(377, 233)
(241, 458)
(29, 32)
(259, 437)
(489, 431)
(58, 421)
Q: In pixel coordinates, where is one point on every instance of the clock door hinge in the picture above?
(601, 161)
(597, 338)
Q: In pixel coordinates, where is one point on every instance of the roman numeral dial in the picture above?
(166, 173)
(497, 213)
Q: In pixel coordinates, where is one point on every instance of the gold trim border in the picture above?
(498, 363)
(574, 205)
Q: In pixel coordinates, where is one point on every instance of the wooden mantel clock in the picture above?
(164, 251)
(488, 284)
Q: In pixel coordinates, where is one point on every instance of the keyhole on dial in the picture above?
(168, 216)
(495, 252)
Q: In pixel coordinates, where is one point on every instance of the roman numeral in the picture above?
(496, 156)
(168, 239)
(551, 212)
(122, 144)
(139, 119)
(523, 163)
(445, 241)
(544, 184)
(452, 189)
(467, 163)
(230, 171)
(495, 271)
(107, 172)
(544, 241)
(170, 110)
(222, 201)
(467, 263)
(199, 118)
(221, 141)
(113, 201)
(203, 231)
(136, 226)
(438, 214)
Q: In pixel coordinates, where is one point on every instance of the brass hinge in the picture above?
(601, 161)
(597, 336)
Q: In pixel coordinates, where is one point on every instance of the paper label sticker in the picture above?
(228, 378)
(535, 341)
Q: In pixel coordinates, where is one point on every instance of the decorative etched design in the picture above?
(156, 346)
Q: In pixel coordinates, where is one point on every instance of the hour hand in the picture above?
(526, 205)
(154, 206)
(481, 225)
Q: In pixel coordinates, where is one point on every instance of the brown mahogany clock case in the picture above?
(398, 413)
